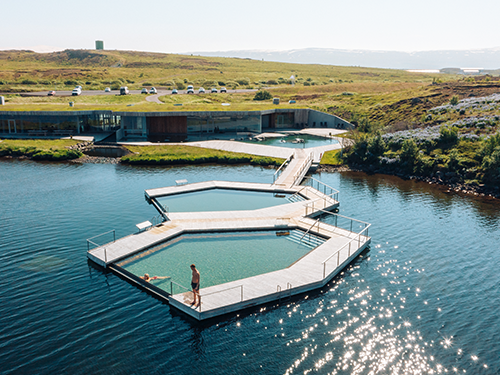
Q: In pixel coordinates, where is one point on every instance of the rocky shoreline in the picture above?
(96, 160)
(439, 179)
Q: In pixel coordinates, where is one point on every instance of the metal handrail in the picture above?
(325, 186)
(311, 203)
(307, 164)
(89, 241)
(282, 166)
(317, 221)
(349, 251)
(207, 294)
(296, 193)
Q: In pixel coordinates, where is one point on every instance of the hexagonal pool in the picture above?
(220, 257)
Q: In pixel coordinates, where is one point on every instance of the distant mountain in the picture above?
(483, 58)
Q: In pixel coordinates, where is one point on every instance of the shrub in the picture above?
(232, 84)
(454, 100)
(28, 82)
(221, 83)
(448, 136)
(271, 82)
(243, 82)
(70, 82)
(409, 152)
(262, 95)
(307, 84)
(180, 85)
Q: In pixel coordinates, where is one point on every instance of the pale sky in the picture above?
(221, 25)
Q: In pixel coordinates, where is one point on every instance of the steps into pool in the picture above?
(310, 240)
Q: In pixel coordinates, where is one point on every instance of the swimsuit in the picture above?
(195, 286)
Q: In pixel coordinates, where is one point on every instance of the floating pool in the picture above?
(222, 200)
(220, 257)
(288, 141)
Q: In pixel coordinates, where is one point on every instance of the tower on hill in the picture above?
(99, 44)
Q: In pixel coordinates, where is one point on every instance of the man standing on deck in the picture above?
(195, 285)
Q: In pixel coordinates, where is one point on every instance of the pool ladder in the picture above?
(288, 289)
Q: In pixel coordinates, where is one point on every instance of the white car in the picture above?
(190, 89)
(214, 90)
(144, 90)
(76, 91)
(153, 90)
(201, 90)
(107, 89)
(223, 89)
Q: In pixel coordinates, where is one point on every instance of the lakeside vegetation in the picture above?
(455, 143)
(440, 126)
(180, 154)
(38, 149)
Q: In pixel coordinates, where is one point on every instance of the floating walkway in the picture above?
(337, 245)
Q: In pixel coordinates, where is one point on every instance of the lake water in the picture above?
(424, 298)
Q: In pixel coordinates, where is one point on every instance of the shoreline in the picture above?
(457, 187)
(461, 188)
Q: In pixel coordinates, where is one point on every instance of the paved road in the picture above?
(117, 92)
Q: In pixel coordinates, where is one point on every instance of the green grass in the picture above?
(176, 154)
(38, 149)
(331, 158)
(99, 69)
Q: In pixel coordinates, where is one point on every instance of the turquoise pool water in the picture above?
(220, 257)
(287, 141)
(221, 200)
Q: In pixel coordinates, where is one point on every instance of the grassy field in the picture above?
(38, 149)
(175, 154)
(28, 71)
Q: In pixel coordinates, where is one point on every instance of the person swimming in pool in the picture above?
(195, 285)
(147, 278)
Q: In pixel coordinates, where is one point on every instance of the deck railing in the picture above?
(202, 296)
(282, 167)
(298, 176)
(89, 241)
(339, 224)
(345, 251)
(356, 238)
(321, 187)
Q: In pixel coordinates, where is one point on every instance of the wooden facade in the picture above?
(162, 128)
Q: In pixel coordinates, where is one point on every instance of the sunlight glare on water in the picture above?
(422, 300)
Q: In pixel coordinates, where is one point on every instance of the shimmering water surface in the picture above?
(424, 299)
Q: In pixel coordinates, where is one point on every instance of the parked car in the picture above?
(201, 90)
(51, 93)
(144, 90)
(76, 91)
(214, 90)
(124, 90)
(174, 91)
(190, 89)
(107, 89)
(223, 89)
(153, 90)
